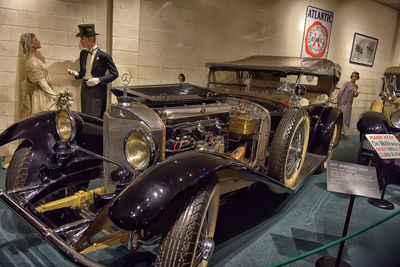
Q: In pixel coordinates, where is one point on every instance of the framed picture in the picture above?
(363, 50)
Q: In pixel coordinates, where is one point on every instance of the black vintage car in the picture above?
(382, 118)
(167, 153)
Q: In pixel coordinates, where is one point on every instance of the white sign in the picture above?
(317, 33)
(386, 145)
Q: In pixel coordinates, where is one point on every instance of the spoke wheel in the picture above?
(289, 147)
(189, 242)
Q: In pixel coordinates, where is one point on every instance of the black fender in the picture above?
(324, 120)
(373, 122)
(151, 193)
(40, 131)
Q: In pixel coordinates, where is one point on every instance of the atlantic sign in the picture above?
(317, 32)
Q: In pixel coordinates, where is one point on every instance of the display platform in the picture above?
(252, 233)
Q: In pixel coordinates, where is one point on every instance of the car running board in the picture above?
(311, 163)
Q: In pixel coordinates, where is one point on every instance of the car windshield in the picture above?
(277, 84)
(393, 84)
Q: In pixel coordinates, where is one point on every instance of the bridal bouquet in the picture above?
(64, 100)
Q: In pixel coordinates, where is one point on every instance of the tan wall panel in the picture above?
(155, 40)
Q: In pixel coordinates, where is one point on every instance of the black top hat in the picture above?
(86, 30)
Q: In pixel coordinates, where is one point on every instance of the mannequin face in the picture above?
(354, 77)
(35, 43)
(87, 42)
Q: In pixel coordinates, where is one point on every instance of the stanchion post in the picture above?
(345, 228)
(383, 203)
(337, 262)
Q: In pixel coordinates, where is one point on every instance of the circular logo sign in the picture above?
(316, 40)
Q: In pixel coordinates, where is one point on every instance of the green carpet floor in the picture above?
(255, 228)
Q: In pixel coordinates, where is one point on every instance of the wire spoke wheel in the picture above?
(295, 152)
(289, 147)
(189, 242)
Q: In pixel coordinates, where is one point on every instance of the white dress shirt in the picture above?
(89, 62)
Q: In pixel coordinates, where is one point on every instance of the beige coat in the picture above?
(39, 85)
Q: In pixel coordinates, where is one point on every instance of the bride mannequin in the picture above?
(38, 94)
(39, 89)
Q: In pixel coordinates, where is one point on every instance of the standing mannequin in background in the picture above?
(93, 66)
(37, 94)
(39, 89)
(346, 95)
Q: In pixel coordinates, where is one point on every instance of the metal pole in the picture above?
(345, 228)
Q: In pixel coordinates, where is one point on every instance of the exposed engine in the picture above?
(230, 126)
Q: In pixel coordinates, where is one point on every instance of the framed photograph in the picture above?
(363, 50)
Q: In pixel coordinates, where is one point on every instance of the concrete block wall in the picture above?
(54, 22)
(125, 38)
(155, 40)
(180, 36)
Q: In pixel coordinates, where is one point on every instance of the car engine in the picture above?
(215, 123)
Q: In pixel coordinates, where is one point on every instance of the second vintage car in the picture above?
(383, 118)
(167, 153)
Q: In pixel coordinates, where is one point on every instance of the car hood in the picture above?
(269, 102)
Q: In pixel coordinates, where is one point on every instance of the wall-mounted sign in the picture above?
(386, 145)
(317, 32)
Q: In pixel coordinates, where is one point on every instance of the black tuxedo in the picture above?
(94, 99)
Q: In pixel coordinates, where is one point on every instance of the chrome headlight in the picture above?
(65, 125)
(395, 118)
(139, 149)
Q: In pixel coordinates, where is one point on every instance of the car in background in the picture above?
(167, 153)
(382, 118)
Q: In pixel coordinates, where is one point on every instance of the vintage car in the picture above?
(382, 118)
(166, 153)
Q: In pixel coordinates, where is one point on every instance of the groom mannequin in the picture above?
(93, 66)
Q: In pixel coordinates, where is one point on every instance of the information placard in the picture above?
(386, 145)
(355, 179)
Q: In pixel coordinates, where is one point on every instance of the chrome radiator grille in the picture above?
(116, 126)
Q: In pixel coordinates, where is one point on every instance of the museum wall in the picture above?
(180, 36)
(396, 44)
(155, 40)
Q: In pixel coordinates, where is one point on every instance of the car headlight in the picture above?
(139, 149)
(65, 125)
(395, 119)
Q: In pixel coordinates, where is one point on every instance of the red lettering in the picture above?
(375, 137)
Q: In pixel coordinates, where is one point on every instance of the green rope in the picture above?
(301, 256)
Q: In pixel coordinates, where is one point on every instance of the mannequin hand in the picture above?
(92, 82)
(72, 72)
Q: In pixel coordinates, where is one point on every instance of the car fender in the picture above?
(373, 122)
(40, 131)
(324, 126)
(151, 193)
